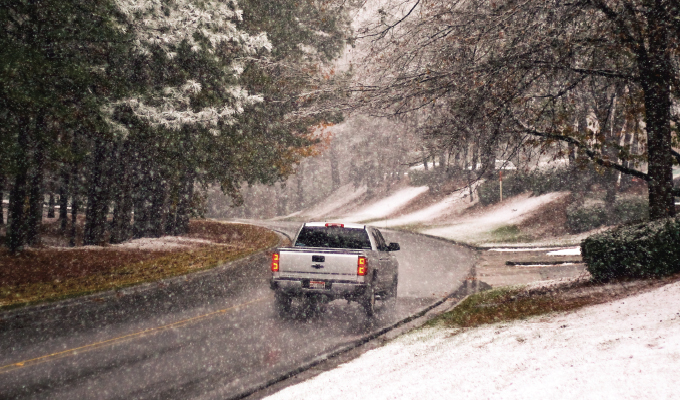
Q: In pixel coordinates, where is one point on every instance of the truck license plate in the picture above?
(317, 284)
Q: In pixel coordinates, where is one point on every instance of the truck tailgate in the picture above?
(324, 264)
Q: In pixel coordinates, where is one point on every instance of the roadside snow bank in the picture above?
(479, 225)
(337, 200)
(457, 201)
(388, 205)
(572, 251)
(627, 349)
(162, 243)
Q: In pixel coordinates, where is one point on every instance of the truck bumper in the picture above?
(333, 290)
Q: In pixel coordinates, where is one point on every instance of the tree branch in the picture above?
(617, 19)
(382, 33)
(595, 157)
(676, 155)
(586, 71)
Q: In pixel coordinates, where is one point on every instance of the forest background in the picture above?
(591, 85)
(128, 107)
(139, 108)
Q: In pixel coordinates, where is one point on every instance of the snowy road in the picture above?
(212, 335)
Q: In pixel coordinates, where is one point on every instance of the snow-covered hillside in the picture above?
(451, 216)
(627, 349)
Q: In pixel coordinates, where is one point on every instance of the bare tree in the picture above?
(503, 75)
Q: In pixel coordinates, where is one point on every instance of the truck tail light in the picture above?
(362, 265)
(275, 262)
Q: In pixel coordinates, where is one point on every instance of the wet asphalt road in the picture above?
(206, 336)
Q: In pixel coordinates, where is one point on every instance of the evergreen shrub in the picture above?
(630, 210)
(554, 180)
(489, 190)
(635, 251)
(584, 218)
(426, 178)
(536, 182)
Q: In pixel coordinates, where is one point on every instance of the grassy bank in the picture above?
(48, 274)
(512, 303)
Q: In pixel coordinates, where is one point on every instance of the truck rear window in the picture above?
(333, 237)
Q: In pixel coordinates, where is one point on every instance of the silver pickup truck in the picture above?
(331, 261)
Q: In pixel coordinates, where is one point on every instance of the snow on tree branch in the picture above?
(206, 27)
(168, 23)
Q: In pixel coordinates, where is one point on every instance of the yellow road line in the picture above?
(38, 360)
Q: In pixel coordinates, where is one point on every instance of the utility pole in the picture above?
(500, 181)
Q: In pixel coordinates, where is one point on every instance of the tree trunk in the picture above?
(50, 206)
(571, 154)
(468, 173)
(424, 158)
(186, 193)
(281, 199)
(142, 194)
(141, 210)
(171, 219)
(97, 196)
(158, 211)
(335, 170)
(300, 188)
(75, 203)
(16, 216)
(63, 200)
(2, 207)
(74, 220)
(122, 213)
(121, 228)
(655, 78)
(611, 183)
(442, 162)
(36, 197)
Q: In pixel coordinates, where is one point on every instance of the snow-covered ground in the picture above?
(454, 203)
(162, 243)
(572, 251)
(477, 226)
(449, 217)
(513, 249)
(627, 349)
(342, 197)
(388, 205)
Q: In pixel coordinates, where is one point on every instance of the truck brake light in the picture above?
(275, 262)
(362, 265)
(335, 225)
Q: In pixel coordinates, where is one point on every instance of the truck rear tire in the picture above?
(391, 295)
(283, 303)
(368, 301)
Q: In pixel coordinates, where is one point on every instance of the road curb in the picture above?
(528, 263)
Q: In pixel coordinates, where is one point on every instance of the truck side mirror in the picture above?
(393, 247)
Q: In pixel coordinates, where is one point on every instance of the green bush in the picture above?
(536, 182)
(489, 190)
(625, 211)
(635, 251)
(629, 210)
(431, 177)
(542, 182)
(419, 178)
(584, 218)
